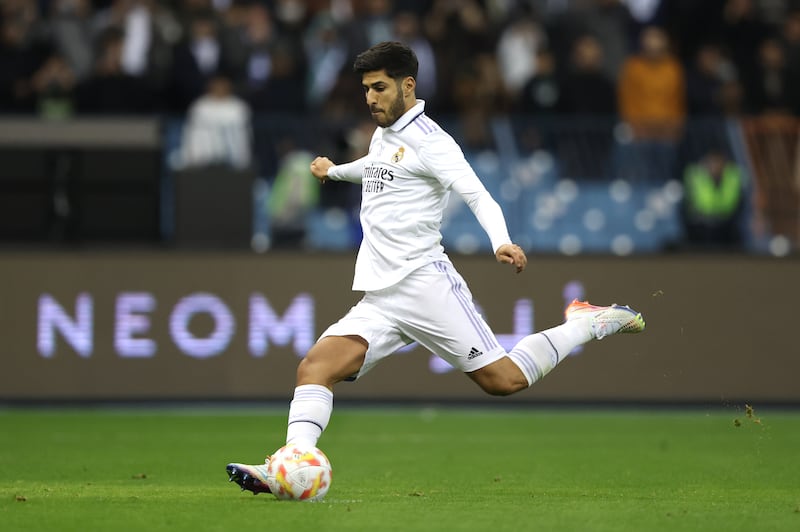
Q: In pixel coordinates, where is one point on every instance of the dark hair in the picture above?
(396, 58)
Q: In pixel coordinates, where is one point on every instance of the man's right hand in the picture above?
(320, 167)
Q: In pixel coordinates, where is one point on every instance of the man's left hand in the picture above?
(512, 254)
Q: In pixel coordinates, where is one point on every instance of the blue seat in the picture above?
(330, 230)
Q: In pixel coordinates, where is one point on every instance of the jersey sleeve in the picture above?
(352, 171)
(446, 162)
(443, 158)
(485, 209)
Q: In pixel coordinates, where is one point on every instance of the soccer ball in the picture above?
(299, 473)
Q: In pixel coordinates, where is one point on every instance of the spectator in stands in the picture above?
(199, 57)
(461, 35)
(790, 39)
(518, 47)
(110, 89)
(608, 20)
(273, 76)
(691, 24)
(372, 23)
(218, 128)
(773, 88)
(281, 91)
(651, 91)
(292, 16)
(71, 30)
(327, 53)
(53, 86)
(22, 52)
(294, 194)
(585, 88)
(589, 99)
(707, 82)
(742, 30)
(407, 29)
(149, 29)
(713, 201)
(478, 92)
(541, 94)
(652, 103)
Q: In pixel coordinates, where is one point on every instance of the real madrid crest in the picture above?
(398, 155)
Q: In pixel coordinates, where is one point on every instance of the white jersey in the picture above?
(405, 182)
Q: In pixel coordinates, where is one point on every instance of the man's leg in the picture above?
(531, 359)
(537, 354)
(331, 360)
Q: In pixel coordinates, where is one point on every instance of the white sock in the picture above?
(536, 355)
(309, 413)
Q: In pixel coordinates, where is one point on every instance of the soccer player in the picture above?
(412, 292)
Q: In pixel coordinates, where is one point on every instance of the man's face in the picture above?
(384, 97)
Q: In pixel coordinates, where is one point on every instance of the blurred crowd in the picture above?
(653, 62)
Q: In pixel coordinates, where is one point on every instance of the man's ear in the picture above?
(409, 84)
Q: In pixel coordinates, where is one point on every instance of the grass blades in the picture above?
(407, 470)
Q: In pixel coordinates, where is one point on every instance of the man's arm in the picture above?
(446, 161)
(490, 216)
(324, 169)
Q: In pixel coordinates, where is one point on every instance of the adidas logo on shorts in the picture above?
(473, 353)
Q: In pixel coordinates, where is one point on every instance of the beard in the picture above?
(394, 112)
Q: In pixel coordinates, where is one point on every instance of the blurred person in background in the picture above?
(327, 51)
(774, 88)
(691, 24)
(110, 89)
(273, 74)
(282, 89)
(372, 23)
(585, 87)
(71, 29)
(652, 104)
(150, 31)
(518, 47)
(712, 84)
(132, 19)
(478, 92)
(535, 108)
(541, 94)
(790, 40)
(292, 197)
(408, 30)
(23, 49)
(461, 35)
(652, 89)
(218, 128)
(713, 201)
(588, 107)
(54, 88)
(741, 29)
(713, 94)
(292, 16)
(200, 55)
(609, 21)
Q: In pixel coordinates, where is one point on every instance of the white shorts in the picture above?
(432, 306)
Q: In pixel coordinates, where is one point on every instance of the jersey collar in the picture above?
(408, 116)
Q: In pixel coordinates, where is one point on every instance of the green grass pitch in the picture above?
(409, 469)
